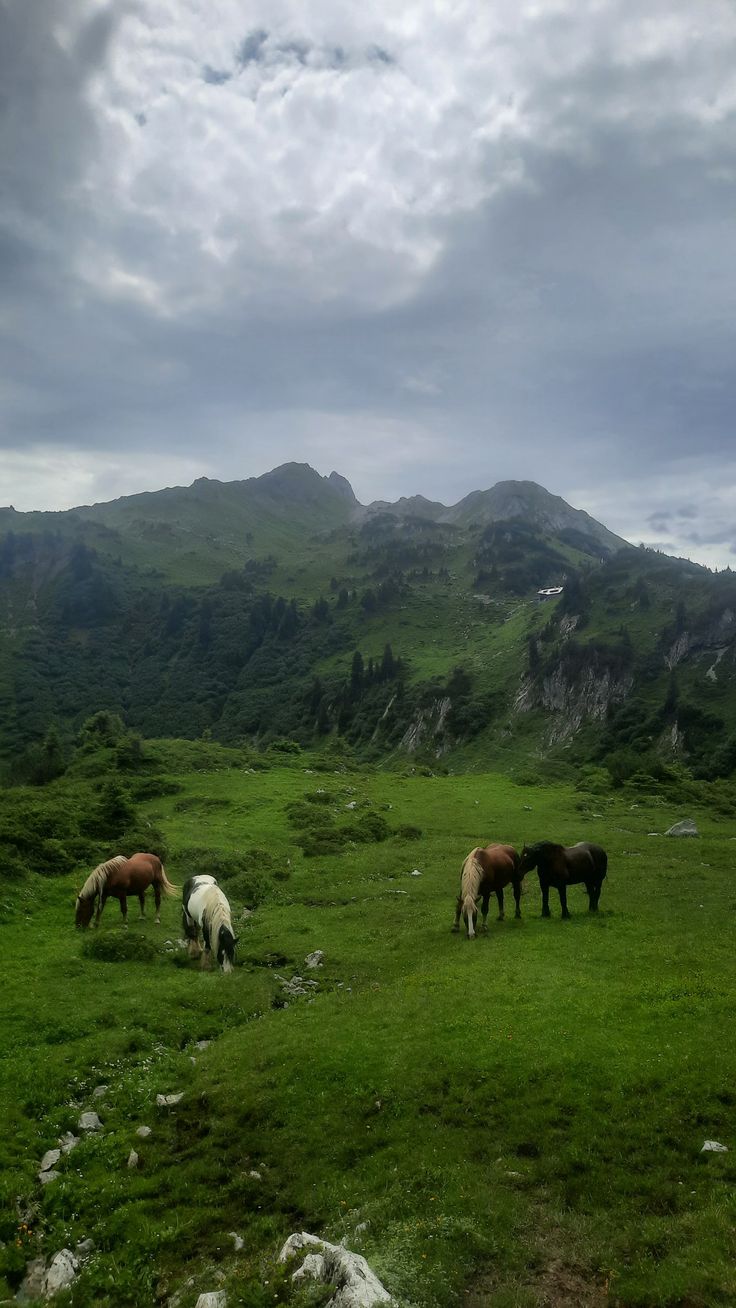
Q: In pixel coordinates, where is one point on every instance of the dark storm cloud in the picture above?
(499, 248)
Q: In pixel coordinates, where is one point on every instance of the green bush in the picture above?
(12, 866)
(408, 832)
(118, 947)
(370, 827)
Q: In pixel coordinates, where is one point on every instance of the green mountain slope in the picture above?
(280, 607)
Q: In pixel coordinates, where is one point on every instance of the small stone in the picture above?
(237, 1240)
(168, 1101)
(100, 1091)
(50, 1159)
(314, 959)
(89, 1122)
(68, 1141)
(201, 1045)
(212, 1299)
(85, 1247)
(255, 1174)
(416, 872)
(713, 1147)
(143, 1132)
(133, 1159)
(47, 1177)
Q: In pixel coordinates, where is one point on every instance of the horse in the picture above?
(484, 871)
(121, 876)
(206, 907)
(562, 866)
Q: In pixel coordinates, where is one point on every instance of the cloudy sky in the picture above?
(431, 244)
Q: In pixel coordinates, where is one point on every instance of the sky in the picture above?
(431, 245)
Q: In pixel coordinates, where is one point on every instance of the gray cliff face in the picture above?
(572, 703)
(428, 728)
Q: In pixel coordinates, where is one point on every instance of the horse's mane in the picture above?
(216, 912)
(544, 847)
(96, 880)
(471, 876)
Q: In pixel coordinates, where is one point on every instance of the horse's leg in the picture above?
(517, 897)
(207, 955)
(142, 902)
(458, 908)
(544, 887)
(499, 897)
(157, 897)
(101, 901)
(595, 896)
(124, 910)
(485, 900)
(189, 927)
(562, 891)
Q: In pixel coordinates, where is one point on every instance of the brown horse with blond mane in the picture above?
(121, 877)
(487, 871)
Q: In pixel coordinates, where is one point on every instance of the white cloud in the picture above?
(44, 477)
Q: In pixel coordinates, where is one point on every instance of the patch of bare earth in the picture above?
(558, 1285)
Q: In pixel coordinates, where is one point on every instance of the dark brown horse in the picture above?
(484, 872)
(566, 865)
(121, 877)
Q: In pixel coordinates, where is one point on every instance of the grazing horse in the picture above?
(205, 907)
(484, 871)
(562, 866)
(121, 877)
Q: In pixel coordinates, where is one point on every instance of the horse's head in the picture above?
(527, 859)
(226, 943)
(84, 911)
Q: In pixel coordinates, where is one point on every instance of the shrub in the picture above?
(145, 840)
(12, 866)
(118, 947)
(409, 832)
(370, 827)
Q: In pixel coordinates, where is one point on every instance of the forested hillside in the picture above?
(396, 629)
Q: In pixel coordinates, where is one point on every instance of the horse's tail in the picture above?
(167, 886)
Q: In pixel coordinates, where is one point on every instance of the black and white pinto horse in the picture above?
(205, 909)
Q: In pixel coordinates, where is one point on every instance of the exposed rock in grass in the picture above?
(314, 959)
(89, 1122)
(201, 1045)
(68, 1141)
(50, 1159)
(237, 1240)
(356, 1286)
(133, 1159)
(685, 828)
(713, 1147)
(47, 1177)
(143, 1132)
(62, 1270)
(168, 1101)
(100, 1091)
(212, 1299)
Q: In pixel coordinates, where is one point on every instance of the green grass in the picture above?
(507, 1116)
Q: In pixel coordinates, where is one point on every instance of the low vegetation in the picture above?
(496, 1122)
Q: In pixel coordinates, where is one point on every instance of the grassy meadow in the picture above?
(514, 1121)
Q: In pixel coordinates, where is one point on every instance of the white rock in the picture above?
(50, 1159)
(143, 1132)
(416, 872)
(255, 1175)
(685, 828)
(237, 1240)
(201, 1045)
(356, 1285)
(100, 1091)
(168, 1101)
(313, 1268)
(89, 1122)
(61, 1272)
(47, 1177)
(133, 1159)
(68, 1141)
(212, 1299)
(713, 1147)
(85, 1247)
(314, 959)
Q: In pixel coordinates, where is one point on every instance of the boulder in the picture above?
(212, 1299)
(356, 1286)
(685, 828)
(68, 1141)
(89, 1122)
(133, 1159)
(143, 1132)
(314, 959)
(47, 1177)
(50, 1159)
(60, 1273)
(168, 1101)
